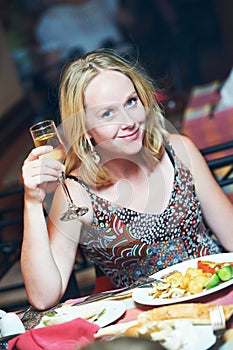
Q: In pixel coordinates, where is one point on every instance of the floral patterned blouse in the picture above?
(126, 244)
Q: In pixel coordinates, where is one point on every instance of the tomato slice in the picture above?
(206, 266)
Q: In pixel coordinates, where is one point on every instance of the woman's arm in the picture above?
(216, 207)
(48, 251)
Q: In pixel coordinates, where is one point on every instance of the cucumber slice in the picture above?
(225, 273)
(213, 282)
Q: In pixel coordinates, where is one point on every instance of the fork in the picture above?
(23, 312)
(141, 282)
(218, 322)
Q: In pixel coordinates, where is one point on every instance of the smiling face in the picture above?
(115, 115)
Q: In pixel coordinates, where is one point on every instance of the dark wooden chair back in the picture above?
(220, 161)
(11, 227)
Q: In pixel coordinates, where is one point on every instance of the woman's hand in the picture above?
(37, 171)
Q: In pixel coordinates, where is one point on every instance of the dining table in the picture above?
(134, 309)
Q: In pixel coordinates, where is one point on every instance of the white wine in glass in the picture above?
(52, 139)
(46, 133)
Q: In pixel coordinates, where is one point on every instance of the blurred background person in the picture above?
(68, 29)
(71, 28)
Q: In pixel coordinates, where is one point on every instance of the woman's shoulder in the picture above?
(183, 147)
(179, 140)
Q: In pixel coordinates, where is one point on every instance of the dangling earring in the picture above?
(95, 156)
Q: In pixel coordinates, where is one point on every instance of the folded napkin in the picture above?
(40, 338)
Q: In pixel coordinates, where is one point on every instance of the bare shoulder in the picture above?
(179, 142)
(184, 148)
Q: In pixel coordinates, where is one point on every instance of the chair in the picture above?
(11, 232)
(11, 226)
(221, 166)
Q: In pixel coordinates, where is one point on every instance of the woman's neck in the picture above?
(126, 168)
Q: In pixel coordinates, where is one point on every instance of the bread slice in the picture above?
(150, 321)
(198, 313)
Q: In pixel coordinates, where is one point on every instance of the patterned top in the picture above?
(126, 244)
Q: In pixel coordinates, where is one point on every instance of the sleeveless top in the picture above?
(126, 244)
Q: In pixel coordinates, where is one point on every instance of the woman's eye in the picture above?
(107, 114)
(131, 102)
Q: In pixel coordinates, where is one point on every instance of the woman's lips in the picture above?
(131, 137)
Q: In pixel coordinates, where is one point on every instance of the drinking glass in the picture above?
(46, 133)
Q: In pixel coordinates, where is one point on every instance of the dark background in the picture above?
(181, 43)
(195, 33)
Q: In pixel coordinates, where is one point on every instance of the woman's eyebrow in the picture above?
(112, 104)
(106, 106)
(130, 95)
(134, 92)
(97, 110)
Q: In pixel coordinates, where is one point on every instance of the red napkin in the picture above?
(40, 338)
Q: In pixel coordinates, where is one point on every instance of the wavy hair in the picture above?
(75, 78)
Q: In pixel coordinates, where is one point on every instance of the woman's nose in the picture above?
(126, 120)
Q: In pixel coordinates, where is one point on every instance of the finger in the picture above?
(41, 169)
(47, 163)
(36, 181)
(44, 169)
(37, 152)
(43, 163)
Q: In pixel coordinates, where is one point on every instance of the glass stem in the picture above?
(65, 188)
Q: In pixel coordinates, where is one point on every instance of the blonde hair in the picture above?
(75, 78)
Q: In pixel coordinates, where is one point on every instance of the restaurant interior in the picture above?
(189, 64)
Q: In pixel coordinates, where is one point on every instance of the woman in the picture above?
(148, 191)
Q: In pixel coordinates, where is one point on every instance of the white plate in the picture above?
(206, 337)
(186, 336)
(192, 337)
(140, 295)
(112, 311)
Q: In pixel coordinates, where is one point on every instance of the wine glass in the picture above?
(46, 133)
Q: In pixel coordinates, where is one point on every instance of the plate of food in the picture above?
(102, 313)
(188, 280)
(176, 327)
